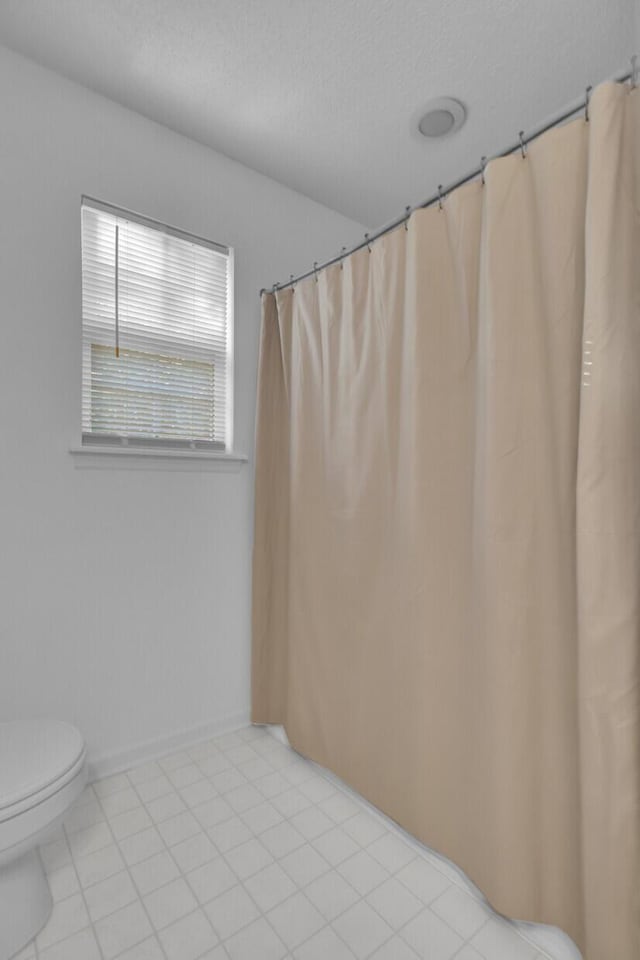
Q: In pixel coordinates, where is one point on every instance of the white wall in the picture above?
(124, 593)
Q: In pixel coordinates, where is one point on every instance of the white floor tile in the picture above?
(304, 865)
(211, 879)
(496, 940)
(146, 771)
(331, 895)
(154, 872)
(193, 852)
(80, 946)
(99, 865)
(362, 929)
(339, 807)
(272, 784)
(363, 872)
(189, 938)
(122, 930)
(126, 824)
(461, 911)
(392, 852)
(169, 903)
(470, 953)
(431, 938)
(175, 760)
(312, 822)
(110, 895)
(291, 801)
(282, 839)
(166, 806)
(231, 911)
(248, 858)
(325, 945)
(423, 880)
(363, 828)
(212, 812)
(197, 793)
(394, 903)
(152, 789)
(218, 953)
(335, 846)
(241, 754)
(229, 834)
(67, 917)
(260, 818)
(228, 780)
(295, 920)
(298, 771)
(184, 776)
(244, 797)
(270, 886)
(120, 802)
(396, 949)
(178, 828)
(258, 940)
(141, 846)
(317, 789)
(214, 764)
(149, 949)
(254, 769)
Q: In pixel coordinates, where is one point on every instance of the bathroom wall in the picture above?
(124, 592)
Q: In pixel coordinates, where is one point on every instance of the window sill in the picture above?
(130, 457)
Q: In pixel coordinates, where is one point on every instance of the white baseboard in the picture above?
(103, 765)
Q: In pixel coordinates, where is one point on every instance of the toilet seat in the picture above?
(42, 772)
(38, 758)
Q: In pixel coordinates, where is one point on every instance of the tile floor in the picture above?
(239, 849)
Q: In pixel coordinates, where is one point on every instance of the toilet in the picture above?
(42, 771)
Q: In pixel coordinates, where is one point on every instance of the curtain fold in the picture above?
(446, 578)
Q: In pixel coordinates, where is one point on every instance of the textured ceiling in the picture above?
(321, 94)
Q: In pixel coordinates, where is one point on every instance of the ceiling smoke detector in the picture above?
(441, 117)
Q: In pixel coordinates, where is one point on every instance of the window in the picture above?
(156, 334)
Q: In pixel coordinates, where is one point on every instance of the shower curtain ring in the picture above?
(634, 72)
(315, 269)
(343, 253)
(275, 287)
(586, 104)
(523, 146)
(483, 163)
(440, 197)
(407, 210)
(366, 236)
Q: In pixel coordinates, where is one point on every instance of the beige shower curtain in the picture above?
(447, 540)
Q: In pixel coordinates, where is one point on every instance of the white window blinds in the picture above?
(156, 333)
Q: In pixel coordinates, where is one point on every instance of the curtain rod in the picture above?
(521, 145)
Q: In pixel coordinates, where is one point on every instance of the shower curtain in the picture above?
(446, 581)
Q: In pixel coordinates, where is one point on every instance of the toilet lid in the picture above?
(33, 755)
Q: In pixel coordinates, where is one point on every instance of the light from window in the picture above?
(156, 334)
